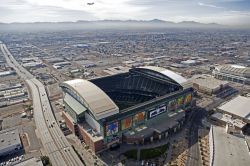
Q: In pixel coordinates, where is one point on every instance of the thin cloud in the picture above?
(227, 12)
(209, 5)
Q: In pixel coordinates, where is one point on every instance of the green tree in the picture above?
(46, 161)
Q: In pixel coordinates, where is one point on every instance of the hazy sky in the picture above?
(229, 12)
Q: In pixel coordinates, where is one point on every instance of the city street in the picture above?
(194, 157)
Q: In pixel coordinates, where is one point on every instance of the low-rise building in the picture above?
(33, 64)
(116, 70)
(238, 108)
(208, 84)
(234, 73)
(9, 142)
(7, 73)
(234, 112)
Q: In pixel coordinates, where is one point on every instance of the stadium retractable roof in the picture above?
(97, 101)
(170, 74)
(76, 106)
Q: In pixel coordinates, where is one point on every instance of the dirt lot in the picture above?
(10, 117)
(13, 109)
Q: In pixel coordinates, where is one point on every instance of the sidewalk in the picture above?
(117, 154)
(87, 156)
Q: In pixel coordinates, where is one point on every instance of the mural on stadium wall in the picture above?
(139, 117)
(126, 123)
(188, 99)
(112, 128)
(172, 105)
(180, 101)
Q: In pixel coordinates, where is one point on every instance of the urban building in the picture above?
(141, 105)
(60, 65)
(235, 113)
(208, 84)
(116, 70)
(33, 65)
(12, 94)
(235, 73)
(7, 73)
(9, 142)
(190, 62)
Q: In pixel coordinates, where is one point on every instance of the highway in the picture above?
(55, 144)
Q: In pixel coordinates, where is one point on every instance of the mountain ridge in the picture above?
(116, 21)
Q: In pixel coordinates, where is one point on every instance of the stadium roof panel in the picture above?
(238, 106)
(76, 106)
(97, 101)
(174, 76)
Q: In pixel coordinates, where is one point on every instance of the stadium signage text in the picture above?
(158, 111)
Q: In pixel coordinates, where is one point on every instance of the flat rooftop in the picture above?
(238, 106)
(9, 137)
(116, 70)
(228, 119)
(229, 150)
(207, 81)
(89, 131)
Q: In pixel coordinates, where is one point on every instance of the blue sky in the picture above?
(228, 12)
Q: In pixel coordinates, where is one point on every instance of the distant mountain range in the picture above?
(107, 24)
(121, 21)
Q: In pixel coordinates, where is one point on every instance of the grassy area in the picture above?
(147, 153)
(153, 152)
(131, 154)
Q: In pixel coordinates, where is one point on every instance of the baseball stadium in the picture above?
(142, 105)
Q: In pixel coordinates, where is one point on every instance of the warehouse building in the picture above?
(234, 73)
(9, 142)
(7, 73)
(142, 105)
